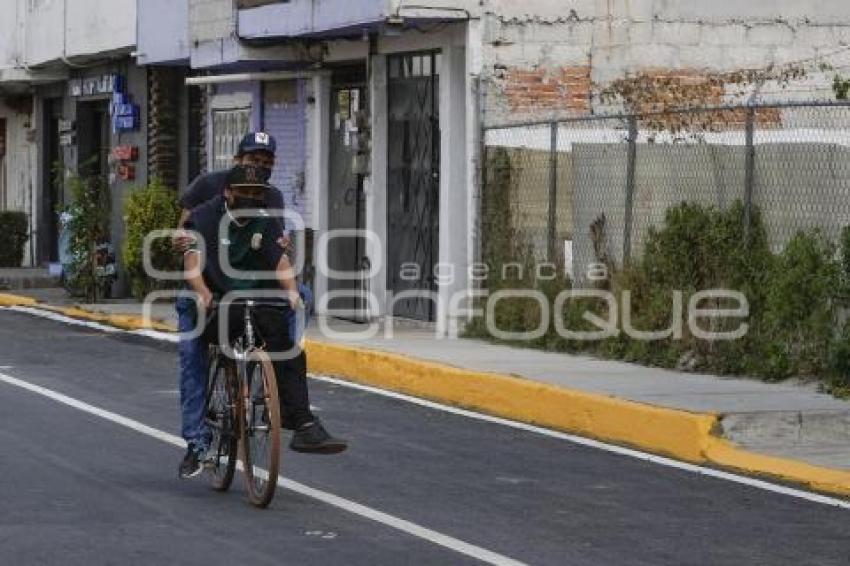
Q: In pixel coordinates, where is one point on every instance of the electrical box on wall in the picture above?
(127, 172)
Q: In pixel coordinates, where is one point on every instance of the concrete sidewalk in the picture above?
(13, 279)
(790, 420)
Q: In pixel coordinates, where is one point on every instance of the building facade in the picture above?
(77, 95)
(377, 105)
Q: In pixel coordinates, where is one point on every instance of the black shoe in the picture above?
(191, 464)
(314, 439)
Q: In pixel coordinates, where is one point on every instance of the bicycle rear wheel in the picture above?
(261, 429)
(222, 410)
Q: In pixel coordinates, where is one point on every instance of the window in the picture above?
(228, 128)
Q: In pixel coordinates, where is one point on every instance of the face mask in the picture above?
(247, 202)
(265, 173)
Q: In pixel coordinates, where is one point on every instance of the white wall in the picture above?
(54, 29)
(210, 19)
(163, 39)
(43, 35)
(95, 26)
(9, 35)
(714, 11)
(615, 38)
(19, 172)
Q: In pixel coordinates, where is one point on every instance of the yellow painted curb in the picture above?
(9, 300)
(828, 480)
(122, 321)
(125, 322)
(680, 434)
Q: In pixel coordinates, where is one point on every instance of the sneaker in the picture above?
(191, 464)
(314, 439)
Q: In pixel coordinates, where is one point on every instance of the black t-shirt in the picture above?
(250, 248)
(206, 187)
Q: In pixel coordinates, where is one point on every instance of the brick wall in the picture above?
(540, 90)
(541, 61)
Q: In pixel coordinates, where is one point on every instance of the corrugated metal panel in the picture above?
(285, 118)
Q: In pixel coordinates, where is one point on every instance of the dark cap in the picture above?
(257, 141)
(249, 176)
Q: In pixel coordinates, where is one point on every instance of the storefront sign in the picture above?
(125, 153)
(103, 84)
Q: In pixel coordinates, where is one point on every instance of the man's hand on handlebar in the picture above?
(206, 299)
(295, 300)
(182, 241)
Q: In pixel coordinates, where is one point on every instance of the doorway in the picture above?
(51, 197)
(346, 198)
(93, 140)
(413, 181)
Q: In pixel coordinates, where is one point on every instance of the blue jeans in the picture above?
(193, 368)
(294, 332)
(193, 377)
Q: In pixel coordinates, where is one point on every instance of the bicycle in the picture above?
(242, 409)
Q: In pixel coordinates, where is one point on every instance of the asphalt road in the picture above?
(79, 488)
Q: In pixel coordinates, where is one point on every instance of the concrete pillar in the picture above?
(376, 186)
(455, 190)
(318, 144)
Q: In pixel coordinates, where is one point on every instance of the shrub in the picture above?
(88, 226)
(13, 236)
(799, 299)
(149, 208)
(800, 309)
(697, 248)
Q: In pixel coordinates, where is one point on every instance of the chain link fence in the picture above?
(587, 190)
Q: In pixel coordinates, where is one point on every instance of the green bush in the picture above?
(13, 236)
(149, 208)
(88, 226)
(800, 309)
(797, 299)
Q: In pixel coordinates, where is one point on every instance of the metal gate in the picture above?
(413, 183)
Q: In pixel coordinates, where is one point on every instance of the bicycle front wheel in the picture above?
(261, 429)
(222, 411)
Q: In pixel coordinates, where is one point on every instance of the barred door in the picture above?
(228, 128)
(413, 183)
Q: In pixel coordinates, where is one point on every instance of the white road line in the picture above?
(631, 453)
(353, 507)
(155, 334)
(628, 452)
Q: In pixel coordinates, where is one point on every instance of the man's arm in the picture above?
(194, 277)
(286, 279)
(202, 189)
(181, 240)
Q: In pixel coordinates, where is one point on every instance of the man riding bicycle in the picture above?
(252, 246)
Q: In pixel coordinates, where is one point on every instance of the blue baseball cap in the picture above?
(257, 141)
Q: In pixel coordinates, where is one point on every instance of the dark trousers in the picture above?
(272, 331)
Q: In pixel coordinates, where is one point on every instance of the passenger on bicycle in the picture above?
(252, 246)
